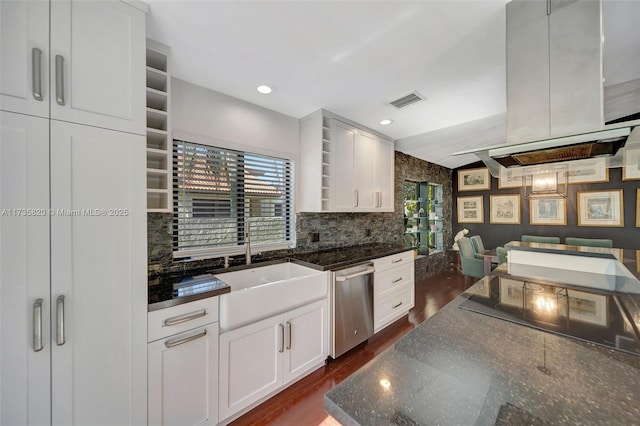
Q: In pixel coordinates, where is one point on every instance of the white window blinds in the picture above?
(218, 193)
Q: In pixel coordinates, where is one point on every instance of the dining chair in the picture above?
(478, 246)
(471, 265)
(591, 242)
(539, 239)
(501, 252)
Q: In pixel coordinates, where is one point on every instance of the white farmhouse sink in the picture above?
(264, 291)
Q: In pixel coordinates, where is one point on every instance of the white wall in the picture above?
(199, 111)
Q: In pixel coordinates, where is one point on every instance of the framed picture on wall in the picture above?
(470, 210)
(600, 208)
(548, 211)
(474, 179)
(590, 170)
(510, 177)
(631, 164)
(505, 209)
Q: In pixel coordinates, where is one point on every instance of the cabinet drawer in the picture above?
(386, 281)
(392, 306)
(176, 319)
(392, 261)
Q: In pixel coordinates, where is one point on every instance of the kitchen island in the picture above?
(463, 367)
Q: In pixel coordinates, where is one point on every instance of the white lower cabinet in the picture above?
(261, 358)
(393, 288)
(183, 364)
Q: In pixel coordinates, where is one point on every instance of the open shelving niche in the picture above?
(326, 163)
(423, 216)
(159, 145)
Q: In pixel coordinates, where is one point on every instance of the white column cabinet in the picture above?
(73, 235)
(261, 358)
(384, 157)
(24, 272)
(345, 192)
(70, 67)
(364, 166)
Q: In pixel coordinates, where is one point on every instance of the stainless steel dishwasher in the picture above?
(352, 307)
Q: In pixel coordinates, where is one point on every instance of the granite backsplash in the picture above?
(334, 229)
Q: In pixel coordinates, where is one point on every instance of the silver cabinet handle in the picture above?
(378, 199)
(59, 80)
(355, 198)
(288, 335)
(357, 274)
(396, 261)
(183, 340)
(184, 318)
(281, 327)
(60, 320)
(397, 280)
(36, 73)
(395, 306)
(37, 325)
(548, 7)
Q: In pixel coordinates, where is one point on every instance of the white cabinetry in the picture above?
(261, 358)
(73, 258)
(554, 68)
(95, 77)
(393, 288)
(183, 364)
(344, 168)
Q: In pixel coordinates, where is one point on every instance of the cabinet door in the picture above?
(342, 174)
(364, 166)
(527, 71)
(24, 269)
(384, 175)
(306, 340)
(575, 67)
(183, 378)
(24, 55)
(98, 264)
(102, 71)
(250, 364)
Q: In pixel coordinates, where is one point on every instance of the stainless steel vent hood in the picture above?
(555, 88)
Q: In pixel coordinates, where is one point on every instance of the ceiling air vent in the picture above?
(407, 100)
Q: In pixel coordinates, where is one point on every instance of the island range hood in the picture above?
(555, 93)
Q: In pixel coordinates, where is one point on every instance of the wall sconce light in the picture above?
(546, 183)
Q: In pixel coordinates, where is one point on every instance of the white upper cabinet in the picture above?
(98, 77)
(554, 68)
(343, 168)
(81, 72)
(24, 55)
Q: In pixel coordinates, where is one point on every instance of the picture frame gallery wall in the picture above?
(600, 203)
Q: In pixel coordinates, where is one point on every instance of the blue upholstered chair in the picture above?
(591, 242)
(502, 254)
(478, 246)
(471, 265)
(539, 239)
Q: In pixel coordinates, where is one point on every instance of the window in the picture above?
(218, 193)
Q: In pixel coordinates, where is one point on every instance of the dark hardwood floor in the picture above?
(302, 403)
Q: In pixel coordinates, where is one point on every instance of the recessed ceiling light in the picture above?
(265, 89)
(385, 122)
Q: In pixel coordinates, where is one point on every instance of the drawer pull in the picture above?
(395, 306)
(397, 280)
(183, 340)
(184, 318)
(396, 261)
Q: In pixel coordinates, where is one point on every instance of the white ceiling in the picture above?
(352, 58)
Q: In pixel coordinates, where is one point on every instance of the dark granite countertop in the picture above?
(172, 289)
(343, 257)
(465, 368)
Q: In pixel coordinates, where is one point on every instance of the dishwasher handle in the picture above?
(357, 274)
